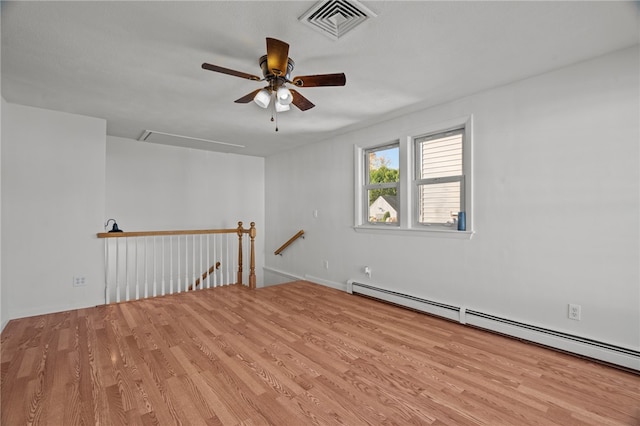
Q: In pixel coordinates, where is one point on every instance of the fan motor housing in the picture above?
(268, 75)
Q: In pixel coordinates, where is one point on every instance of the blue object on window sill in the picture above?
(462, 221)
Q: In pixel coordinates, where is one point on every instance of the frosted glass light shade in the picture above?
(262, 98)
(284, 96)
(281, 107)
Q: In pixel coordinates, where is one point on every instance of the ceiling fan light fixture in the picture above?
(284, 95)
(282, 107)
(262, 98)
(277, 67)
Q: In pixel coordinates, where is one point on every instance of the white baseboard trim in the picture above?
(34, 312)
(284, 274)
(326, 283)
(306, 277)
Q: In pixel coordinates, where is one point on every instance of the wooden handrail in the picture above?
(204, 276)
(179, 232)
(299, 234)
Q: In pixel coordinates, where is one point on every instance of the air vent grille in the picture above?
(335, 18)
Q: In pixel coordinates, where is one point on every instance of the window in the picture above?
(439, 178)
(418, 183)
(382, 177)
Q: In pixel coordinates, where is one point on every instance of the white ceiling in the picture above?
(138, 64)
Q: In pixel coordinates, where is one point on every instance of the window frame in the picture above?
(368, 186)
(407, 191)
(418, 182)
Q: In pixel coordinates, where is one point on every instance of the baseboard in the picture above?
(306, 277)
(326, 283)
(27, 313)
(609, 353)
(286, 275)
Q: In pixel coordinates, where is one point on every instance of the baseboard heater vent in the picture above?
(406, 300)
(624, 357)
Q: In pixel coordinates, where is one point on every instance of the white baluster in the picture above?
(222, 259)
(171, 264)
(200, 271)
(228, 258)
(233, 252)
(137, 278)
(155, 281)
(117, 270)
(186, 263)
(215, 271)
(146, 273)
(209, 263)
(193, 262)
(162, 262)
(179, 261)
(106, 271)
(234, 259)
(126, 269)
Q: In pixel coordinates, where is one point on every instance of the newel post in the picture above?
(252, 262)
(240, 232)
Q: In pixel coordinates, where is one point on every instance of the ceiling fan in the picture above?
(276, 68)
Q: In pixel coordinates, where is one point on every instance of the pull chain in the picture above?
(274, 112)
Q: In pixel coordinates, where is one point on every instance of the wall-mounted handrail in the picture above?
(149, 263)
(204, 276)
(299, 234)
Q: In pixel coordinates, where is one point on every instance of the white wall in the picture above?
(53, 175)
(160, 187)
(556, 197)
(3, 300)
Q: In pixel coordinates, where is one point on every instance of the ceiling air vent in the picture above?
(334, 18)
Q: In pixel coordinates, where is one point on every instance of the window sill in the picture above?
(438, 233)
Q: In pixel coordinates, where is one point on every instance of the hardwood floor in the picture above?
(294, 354)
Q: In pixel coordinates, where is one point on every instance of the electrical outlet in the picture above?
(79, 281)
(326, 264)
(575, 312)
(367, 271)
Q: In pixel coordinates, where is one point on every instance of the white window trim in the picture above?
(407, 224)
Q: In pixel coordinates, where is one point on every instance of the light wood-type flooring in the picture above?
(294, 354)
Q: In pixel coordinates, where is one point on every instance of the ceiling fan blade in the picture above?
(247, 98)
(228, 71)
(320, 80)
(300, 101)
(277, 56)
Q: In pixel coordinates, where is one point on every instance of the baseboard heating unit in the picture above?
(617, 355)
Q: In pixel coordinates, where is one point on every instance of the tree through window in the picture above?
(382, 179)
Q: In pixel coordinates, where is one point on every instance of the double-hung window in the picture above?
(439, 178)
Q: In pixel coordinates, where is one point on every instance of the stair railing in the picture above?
(156, 263)
(299, 234)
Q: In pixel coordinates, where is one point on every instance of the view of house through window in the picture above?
(440, 177)
(383, 176)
